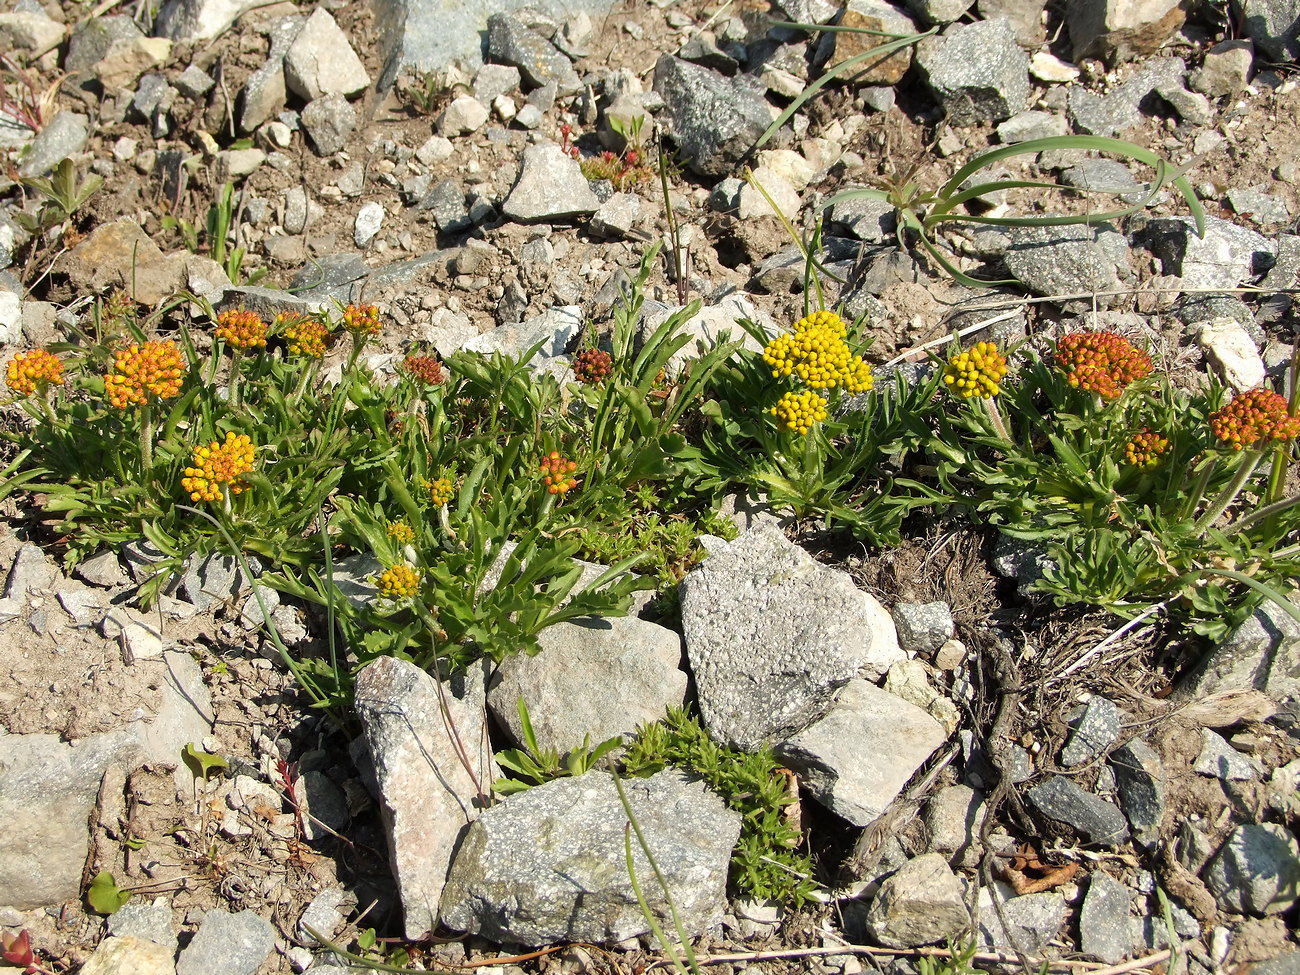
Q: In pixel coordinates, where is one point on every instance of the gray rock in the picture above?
(91, 41)
(446, 204)
(326, 914)
(1096, 820)
(103, 569)
(923, 627)
(194, 82)
(130, 956)
(1271, 24)
(555, 327)
(1225, 70)
(618, 217)
(594, 679)
(865, 219)
(1032, 125)
(977, 72)
(216, 578)
(771, 636)
(32, 572)
(147, 921)
(1104, 176)
(153, 96)
(321, 62)
(920, 904)
(1220, 760)
(1119, 109)
(1263, 654)
(329, 122)
(1025, 17)
(1257, 871)
(549, 864)
(369, 220)
(465, 115)
(1105, 928)
(939, 11)
(809, 11)
(263, 94)
(1287, 963)
(706, 328)
(539, 61)
(702, 49)
(1262, 209)
(1139, 778)
(829, 759)
(198, 20)
(1034, 921)
(29, 30)
(1065, 260)
(1225, 257)
(494, 80)
(868, 16)
(1096, 731)
(227, 944)
(1190, 106)
(952, 819)
(714, 120)
(427, 794)
(47, 792)
(1121, 30)
(550, 187)
(323, 805)
(64, 136)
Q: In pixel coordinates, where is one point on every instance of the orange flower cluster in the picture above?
(557, 473)
(307, 336)
(976, 372)
(29, 371)
(361, 319)
(1255, 415)
(1146, 448)
(1101, 362)
(141, 370)
(425, 369)
(241, 329)
(219, 465)
(592, 366)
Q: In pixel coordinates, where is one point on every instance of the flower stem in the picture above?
(146, 438)
(234, 399)
(999, 425)
(1229, 494)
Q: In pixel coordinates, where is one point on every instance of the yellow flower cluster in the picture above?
(142, 369)
(219, 466)
(1145, 449)
(399, 582)
(306, 336)
(241, 329)
(440, 491)
(362, 319)
(401, 531)
(29, 371)
(817, 353)
(799, 411)
(976, 372)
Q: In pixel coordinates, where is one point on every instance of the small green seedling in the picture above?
(104, 895)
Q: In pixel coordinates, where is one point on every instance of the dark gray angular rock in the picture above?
(493, 80)
(771, 636)
(1104, 176)
(1097, 728)
(1034, 921)
(865, 219)
(1225, 69)
(32, 572)
(152, 922)
(91, 41)
(427, 794)
(539, 61)
(1224, 258)
(1139, 779)
(446, 204)
(1121, 107)
(227, 944)
(329, 122)
(1257, 871)
(714, 120)
(594, 679)
(151, 95)
(1261, 209)
(1272, 25)
(194, 82)
(263, 94)
(809, 11)
(1105, 928)
(1021, 559)
(1066, 260)
(549, 864)
(65, 135)
(1263, 653)
(1287, 963)
(1024, 126)
(198, 20)
(702, 49)
(977, 72)
(1096, 820)
(1220, 760)
(922, 903)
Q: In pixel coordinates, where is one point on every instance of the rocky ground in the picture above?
(1074, 798)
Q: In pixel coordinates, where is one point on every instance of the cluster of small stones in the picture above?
(482, 233)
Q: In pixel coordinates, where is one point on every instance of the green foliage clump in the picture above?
(766, 862)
